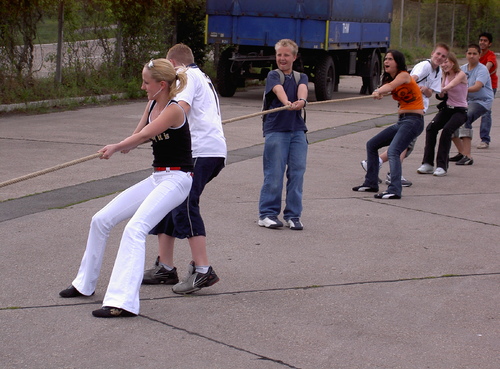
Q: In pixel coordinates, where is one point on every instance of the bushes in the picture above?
(122, 35)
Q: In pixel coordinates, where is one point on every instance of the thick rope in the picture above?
(48, 170)
(264, 112)
(96, 155)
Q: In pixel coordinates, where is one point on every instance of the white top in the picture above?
(204, 115)
(428, 77)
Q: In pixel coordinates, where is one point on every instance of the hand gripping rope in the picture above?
(97, 155)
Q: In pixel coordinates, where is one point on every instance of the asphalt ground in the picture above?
(410, 283)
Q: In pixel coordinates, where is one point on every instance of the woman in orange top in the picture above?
(397, 81)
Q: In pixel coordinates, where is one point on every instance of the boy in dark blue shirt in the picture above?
(285, 146)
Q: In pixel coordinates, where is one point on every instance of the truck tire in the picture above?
(226, 76)
(324, 78)
(371, 83)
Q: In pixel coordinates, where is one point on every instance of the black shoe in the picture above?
(159, 274)
(364, 188)
(72, 292)
(387, 195)
(456, 157)
(465, 161)
(112, 312)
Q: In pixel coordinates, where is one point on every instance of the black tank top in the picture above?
(172, 148)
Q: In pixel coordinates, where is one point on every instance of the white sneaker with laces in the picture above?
(439, 172)
(426, 169)
(270, 222)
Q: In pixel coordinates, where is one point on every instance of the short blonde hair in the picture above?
(181, 53)
(286, 42)
(163, 70)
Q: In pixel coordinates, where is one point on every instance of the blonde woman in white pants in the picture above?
(146, 203)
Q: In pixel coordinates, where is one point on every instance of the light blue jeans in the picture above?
(283, 151)
(397, 137)
(485, 128)
(474, 111)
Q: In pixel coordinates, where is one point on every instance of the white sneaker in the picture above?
(270, 222)
(364, 164)
(404, 181)
(439, 172)
(426, 169)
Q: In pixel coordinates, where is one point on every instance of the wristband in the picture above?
(305, 102)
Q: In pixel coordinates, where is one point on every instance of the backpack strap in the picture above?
(296, 76)
(424, 78)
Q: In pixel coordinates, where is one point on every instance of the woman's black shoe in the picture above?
(112, 312)
(72, 292)
(364, 188)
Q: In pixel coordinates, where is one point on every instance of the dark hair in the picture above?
(474, 46)
(400, 60)
(488, 35)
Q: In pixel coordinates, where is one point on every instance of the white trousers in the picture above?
(145, 203)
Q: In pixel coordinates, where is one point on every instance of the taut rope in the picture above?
(286, 107)
(96, 155)
(48, 170)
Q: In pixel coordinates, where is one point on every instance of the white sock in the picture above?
(168, 267)
(202, 269)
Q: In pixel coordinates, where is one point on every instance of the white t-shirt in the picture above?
(428, 77)
(204, 116)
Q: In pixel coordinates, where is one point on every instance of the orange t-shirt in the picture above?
(409, 96)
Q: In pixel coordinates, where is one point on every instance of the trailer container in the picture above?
(335, 37)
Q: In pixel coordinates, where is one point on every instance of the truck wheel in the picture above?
(371, 83)
(226, 76)
(324, 78)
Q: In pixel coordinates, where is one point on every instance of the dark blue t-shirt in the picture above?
(285, 120)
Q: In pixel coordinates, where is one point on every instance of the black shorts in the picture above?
(185, 220)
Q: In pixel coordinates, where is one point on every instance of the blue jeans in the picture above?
(485, 128)
(474, 111)
(283, 151)
(397, 137)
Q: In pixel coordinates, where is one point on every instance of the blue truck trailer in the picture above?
(335, 37)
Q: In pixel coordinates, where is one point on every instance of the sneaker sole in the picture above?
(271, 226)
(161, 281)
(470, 162)
(402, 185)
(387, 196)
